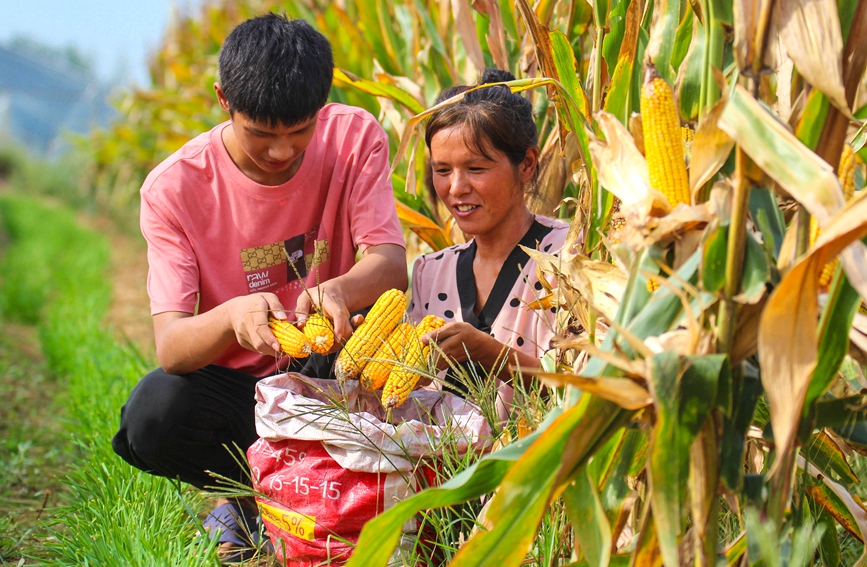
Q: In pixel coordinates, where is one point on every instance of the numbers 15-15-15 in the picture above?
(329, 489)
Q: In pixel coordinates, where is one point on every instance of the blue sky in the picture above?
(116, 36)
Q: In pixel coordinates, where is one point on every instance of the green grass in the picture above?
(54, 276)
(30, 456)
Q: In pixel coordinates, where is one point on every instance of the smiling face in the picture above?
(269, 155)
(484, 194)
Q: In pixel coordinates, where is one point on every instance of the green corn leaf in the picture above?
(756, 272)
(614, 36)
(662, 35)
(779, 153)
(837, 317)
(826, 456)
(381, 534)
(564, 62)
(735, 425)
(619, 100)
(813, 119)
(345, 79)
(550, 463)
(829, 548)
(833, 503)
(768, 217)
(714, 250)
(586, 513)
(683, 39)
(368, 14)
(684, 390)
(690, 74)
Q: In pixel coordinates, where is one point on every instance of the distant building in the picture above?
(39, 102)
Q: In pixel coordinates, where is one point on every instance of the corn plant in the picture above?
(722, 398)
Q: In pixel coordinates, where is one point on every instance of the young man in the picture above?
(238, 223)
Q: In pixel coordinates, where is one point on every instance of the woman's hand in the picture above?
(462, 341)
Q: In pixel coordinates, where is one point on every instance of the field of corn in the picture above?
(707, 398)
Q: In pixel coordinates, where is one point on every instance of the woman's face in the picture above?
(483, 194)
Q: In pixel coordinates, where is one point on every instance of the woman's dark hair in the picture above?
(276, 70)
(497, 117)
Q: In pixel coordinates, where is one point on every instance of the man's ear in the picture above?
(221, 98)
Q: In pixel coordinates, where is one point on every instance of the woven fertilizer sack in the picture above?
(327, 460)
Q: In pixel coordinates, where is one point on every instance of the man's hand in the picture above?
(186, 343)
(329, 299)
(248, 316)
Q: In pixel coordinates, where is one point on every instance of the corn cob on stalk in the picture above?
(663, 144)
(320, 333)
(617, 223)
(652, 285)
(292, 341)
(405, 375)
(687, 134)
(383, 317)
(846, 175)
(376, 371)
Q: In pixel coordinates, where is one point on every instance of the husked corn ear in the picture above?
(383, 317)
(320, 333)
(405, 375)
(663, 145)
(846, 175)
(292, 341)
(376, 371)
(429, 323)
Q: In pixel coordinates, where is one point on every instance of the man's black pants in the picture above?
(183, 426)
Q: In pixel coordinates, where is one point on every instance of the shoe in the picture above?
(237, 525)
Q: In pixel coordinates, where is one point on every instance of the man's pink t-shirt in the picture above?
(214, 234)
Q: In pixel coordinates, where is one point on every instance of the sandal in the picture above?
(237, 525)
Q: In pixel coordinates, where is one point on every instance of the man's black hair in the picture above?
(275, 70)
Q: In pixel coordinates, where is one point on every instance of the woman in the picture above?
(484, 154)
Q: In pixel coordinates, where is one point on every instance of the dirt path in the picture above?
(130, 306)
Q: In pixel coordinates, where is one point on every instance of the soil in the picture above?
(129, 313)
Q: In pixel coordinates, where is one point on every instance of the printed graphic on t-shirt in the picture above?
(272, 266)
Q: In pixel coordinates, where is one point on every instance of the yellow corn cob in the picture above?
(652, 285)
(383, 317)
(292, 341)
(429, 323)
(663, 145)
(846, 175)
(376, 371)
(320, 333)
(846, 171)
(405, 375)
(687, 135)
